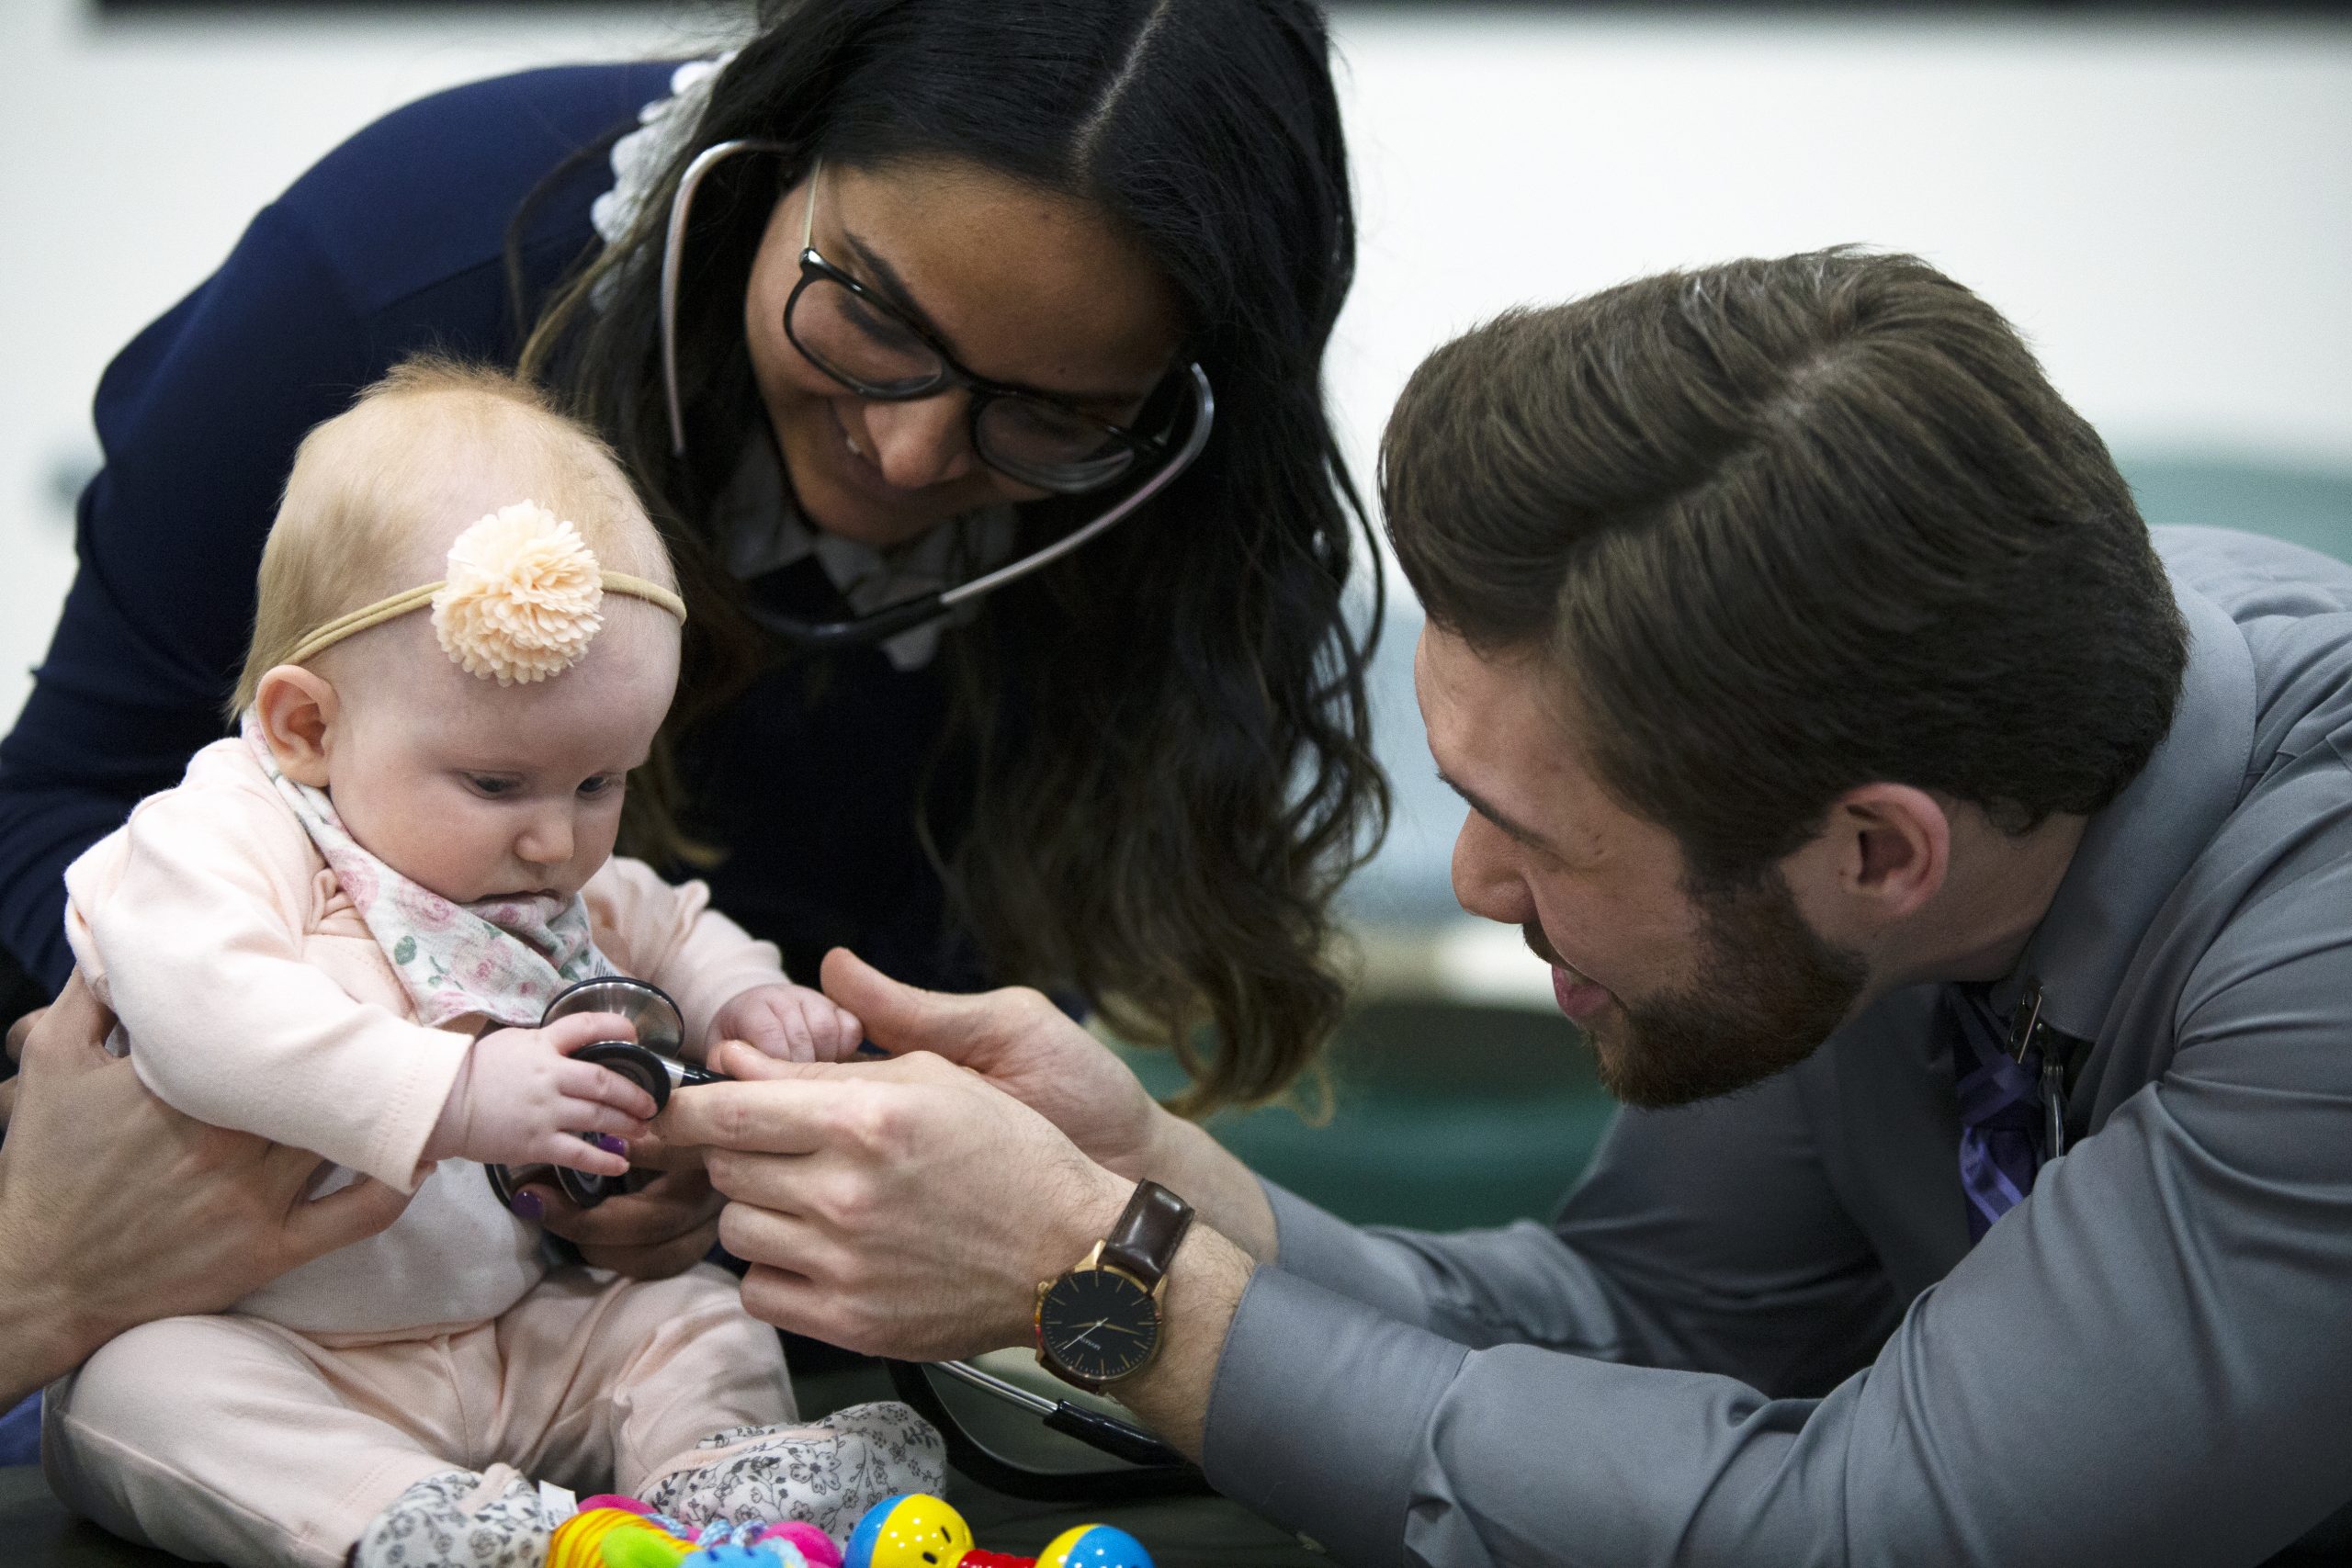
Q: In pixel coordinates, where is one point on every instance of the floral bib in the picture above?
(502, 959)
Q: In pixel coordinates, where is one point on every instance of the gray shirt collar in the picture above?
(2136, 851)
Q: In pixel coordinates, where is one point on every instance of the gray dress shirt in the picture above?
(1756, 1332)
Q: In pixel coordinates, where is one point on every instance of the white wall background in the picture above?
(2166, 206)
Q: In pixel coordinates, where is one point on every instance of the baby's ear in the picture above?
(297, 709)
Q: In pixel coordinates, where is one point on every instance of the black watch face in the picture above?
(1098, 1324)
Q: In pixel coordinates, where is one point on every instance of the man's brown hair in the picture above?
(1786, 527)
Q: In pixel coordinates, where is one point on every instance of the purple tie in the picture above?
(2002, 1115)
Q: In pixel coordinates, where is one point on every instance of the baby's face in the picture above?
(481, 791)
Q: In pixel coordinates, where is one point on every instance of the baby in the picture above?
(339, 931)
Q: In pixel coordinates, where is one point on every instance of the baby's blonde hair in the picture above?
(379, 491)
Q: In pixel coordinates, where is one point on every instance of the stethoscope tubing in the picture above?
(1149, 1467)
(1112, 1436)
(673, 250)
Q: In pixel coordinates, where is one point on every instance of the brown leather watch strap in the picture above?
(1149, 1230)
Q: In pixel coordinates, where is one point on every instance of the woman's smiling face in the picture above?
(1022, 285)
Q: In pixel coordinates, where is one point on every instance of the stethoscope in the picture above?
(879, 625)
(653, 1063)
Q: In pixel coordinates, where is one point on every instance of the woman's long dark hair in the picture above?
(1161, 816)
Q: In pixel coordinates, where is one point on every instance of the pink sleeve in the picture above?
(670, 935)
(191, 917)
(92, 878)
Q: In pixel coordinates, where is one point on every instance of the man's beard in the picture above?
(1769, 992)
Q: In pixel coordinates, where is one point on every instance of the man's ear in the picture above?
(1883, 852)
(298, 709)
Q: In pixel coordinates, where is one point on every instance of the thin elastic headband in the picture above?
(400, 604)
(520, 602)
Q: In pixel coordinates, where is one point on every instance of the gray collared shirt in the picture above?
(1755, 1333)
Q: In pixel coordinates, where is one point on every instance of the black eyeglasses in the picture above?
(1190, 390)
(870, 346)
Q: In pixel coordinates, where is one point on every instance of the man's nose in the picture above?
(925, 442)
(1487, 881)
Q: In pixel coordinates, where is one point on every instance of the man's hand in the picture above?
(1024, 1046)
(1019, 1041)
(909, 1208)
(903, 1208)
(115, 1209)
(791, 1023)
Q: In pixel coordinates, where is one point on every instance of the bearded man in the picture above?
(1955, 880)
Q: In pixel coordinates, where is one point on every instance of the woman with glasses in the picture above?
(971, 356)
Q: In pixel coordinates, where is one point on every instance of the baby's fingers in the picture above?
(838, 1033)
(596, 1159)
(590, 1116)
(798, 1039)
(772, 1036)
(586, 1080)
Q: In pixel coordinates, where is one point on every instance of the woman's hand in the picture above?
(663, 1228)
(115, 1209)
(903, 1208)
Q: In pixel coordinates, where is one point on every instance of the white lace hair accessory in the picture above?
(521, 600)
(664, 127)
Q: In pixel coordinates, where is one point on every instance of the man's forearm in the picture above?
(1205, 1287)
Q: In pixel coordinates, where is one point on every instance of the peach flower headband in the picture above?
(520, 603)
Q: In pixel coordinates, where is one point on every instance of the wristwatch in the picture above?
(1100, 1321)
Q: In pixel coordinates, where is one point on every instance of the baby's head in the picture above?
(478, 785)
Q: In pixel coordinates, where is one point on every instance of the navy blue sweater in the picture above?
(392, 244)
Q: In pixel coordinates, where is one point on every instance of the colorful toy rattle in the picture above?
(921, 1531)
(616, 1537)
(620, 1532)
(914, 1530)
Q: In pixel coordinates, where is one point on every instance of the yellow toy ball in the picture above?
(915, 1530)
(1095, 1545)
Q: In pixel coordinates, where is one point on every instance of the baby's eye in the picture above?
(601, 784)
(491, 784)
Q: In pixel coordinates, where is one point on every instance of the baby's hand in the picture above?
(520, 1099)
(791, 1022)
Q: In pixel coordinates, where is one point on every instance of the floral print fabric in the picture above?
(502, 959)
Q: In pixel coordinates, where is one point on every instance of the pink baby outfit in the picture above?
(255, 998)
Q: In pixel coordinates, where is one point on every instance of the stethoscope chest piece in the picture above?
(650, 1061)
